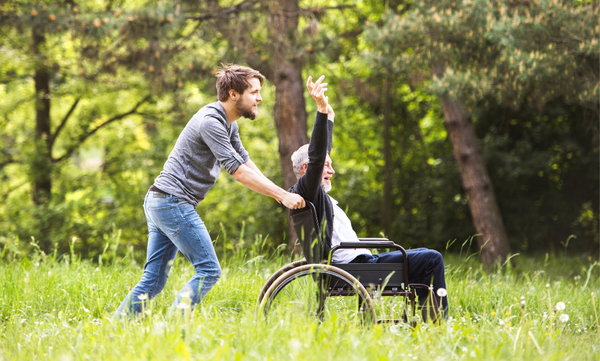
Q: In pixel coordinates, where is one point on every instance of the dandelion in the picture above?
(560, 306)
(441, 292)
(143, 296)
(564, 318)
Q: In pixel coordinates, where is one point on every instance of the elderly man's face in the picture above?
(328, 172)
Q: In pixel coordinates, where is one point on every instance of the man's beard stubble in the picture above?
(245, 112)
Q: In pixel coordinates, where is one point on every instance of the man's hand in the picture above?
(317, 91)
(293, 201)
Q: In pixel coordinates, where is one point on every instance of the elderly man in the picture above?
(314, 170)
(209, 141)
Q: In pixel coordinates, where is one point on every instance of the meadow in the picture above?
(60, 307)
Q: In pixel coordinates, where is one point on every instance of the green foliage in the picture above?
(49, 310)
(545, 172)
(107, 152)
(510, 52)
(527, 74)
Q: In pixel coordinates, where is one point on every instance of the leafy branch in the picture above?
(63, 122)
(82, 138)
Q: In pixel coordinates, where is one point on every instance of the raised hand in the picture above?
(317, 92)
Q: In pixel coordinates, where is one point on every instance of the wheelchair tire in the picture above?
(302, 292)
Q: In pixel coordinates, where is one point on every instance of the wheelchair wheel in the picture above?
(276, 275)
(306, 291)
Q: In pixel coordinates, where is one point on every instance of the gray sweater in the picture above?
(206, 143)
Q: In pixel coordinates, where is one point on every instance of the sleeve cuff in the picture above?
(232, 164)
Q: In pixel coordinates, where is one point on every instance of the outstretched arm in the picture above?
(259, 183)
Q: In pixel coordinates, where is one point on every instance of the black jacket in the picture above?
(309, 185)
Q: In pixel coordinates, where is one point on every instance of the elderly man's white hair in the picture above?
(298, 158)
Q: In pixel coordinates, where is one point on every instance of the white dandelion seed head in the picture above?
(547, 285)
(560, 306)
(564, 318)
(501, 322)
(143, 296)
(464, 349)
(441, 292)
(295, 344)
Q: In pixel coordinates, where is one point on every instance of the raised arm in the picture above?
(320, 141)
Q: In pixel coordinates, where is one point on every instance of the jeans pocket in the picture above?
(165, 219)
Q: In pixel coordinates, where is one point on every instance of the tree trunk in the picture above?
(492, 241)
(42, 162)
(290, 108)
(386, 208)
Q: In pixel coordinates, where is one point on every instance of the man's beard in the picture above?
(245, 112)
(326, 187)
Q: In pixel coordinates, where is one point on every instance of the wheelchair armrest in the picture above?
(368, 244)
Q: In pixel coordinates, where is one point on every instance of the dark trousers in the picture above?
(423, 266)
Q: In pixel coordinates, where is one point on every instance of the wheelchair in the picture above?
(345, 293)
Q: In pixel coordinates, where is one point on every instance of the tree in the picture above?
(518, 54)
(60, 61)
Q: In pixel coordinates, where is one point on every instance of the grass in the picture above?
(60, 307)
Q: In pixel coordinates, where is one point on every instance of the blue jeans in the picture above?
(423, 265)
(173, 225)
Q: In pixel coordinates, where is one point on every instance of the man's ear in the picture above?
(304, 167)
(233, 94)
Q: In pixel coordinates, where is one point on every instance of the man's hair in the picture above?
(299, 157)
(231, 76)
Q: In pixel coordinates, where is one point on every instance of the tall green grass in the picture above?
(59, 307)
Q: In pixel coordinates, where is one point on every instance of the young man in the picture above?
(313, 168)
(209, 140)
